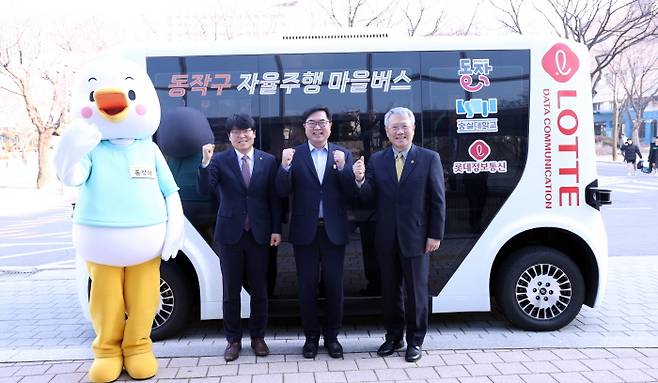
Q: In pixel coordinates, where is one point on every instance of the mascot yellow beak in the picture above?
(112, 104)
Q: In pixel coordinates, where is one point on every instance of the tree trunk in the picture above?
(636, 130)
(615, 128)
(44, 174)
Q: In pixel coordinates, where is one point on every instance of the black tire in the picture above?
(176, 304)
(526, 292)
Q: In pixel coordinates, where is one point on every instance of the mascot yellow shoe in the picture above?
(106, 369)
(128, 215)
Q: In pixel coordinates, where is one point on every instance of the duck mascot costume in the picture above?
(128, 215)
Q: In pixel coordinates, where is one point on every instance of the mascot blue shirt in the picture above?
(124, 179)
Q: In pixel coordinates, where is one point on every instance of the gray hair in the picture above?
(400, 111)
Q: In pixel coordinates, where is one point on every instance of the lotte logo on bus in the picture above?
(479, 150)
(560, 62)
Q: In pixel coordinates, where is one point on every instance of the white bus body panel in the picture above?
(209, 274)
(540, 186)
(525, 209)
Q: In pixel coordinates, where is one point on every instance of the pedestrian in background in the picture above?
(630, 152)
(653, 156)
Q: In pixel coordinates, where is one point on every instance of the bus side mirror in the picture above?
(595, 196)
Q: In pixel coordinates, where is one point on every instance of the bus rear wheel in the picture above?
(539, 289)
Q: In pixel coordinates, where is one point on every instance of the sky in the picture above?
(126, 9)
(118, 21)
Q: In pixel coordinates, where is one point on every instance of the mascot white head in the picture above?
(118, 97)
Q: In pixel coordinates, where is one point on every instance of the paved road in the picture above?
(35, 227)
(632, 217)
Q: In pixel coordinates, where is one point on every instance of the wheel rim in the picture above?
(166, 307)
(543, 291)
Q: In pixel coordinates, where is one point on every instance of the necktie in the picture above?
(399, 164)
(246, 176)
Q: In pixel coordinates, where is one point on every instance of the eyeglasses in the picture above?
(239, 132)
(400, 128)
(312, 124)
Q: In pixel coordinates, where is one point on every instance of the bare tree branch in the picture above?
(347, 13)
(414, 21)
(26, 66)
(470, 23)
(331, 11)
(380, 15)
(11, 91)
(637, 73)
(607, 27)
(511, 20)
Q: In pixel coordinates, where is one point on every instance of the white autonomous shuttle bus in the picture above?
(511, 118)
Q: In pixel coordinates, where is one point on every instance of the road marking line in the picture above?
(35, 252)
(68, 264)
(27, 236)
(630, 191)
(34, 244)
(628, 208)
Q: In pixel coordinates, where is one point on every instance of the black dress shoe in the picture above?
(413, 354)
(232, 351)
(310, 349)
(334, 349)
(389, 347)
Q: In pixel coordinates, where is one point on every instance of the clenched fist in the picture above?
(339, 159)
(432, 245)
(207, 150)
(359, 169)
(286, 156)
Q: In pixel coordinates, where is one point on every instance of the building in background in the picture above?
(604, 116)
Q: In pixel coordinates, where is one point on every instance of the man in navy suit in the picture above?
(406, 183)
(321, 182)
(248, 222)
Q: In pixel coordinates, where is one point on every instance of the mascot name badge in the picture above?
(128, 215)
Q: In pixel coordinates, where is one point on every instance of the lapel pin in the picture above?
(412, 161)
(334, 166)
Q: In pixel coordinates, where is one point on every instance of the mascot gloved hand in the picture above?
(128, 215)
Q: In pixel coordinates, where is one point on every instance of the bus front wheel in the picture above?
(539, 288)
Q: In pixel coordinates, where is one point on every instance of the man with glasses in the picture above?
(248, 222)
(406, 184)
(321, 182)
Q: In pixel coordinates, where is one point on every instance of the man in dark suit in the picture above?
(406, 183)
(321, 181)
(248, 222)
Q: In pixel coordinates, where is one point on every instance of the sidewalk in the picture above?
(466, 366)
(44, 336)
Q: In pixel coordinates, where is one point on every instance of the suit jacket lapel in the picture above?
(409, 164)
(232, 158)
(306, 157)
(389, 165)
(330, 161)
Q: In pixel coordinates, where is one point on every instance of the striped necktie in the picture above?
(399, 164)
